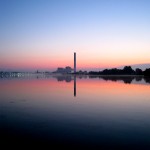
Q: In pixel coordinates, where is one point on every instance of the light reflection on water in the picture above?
(94, 110)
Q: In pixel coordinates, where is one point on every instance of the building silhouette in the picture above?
(66, 70)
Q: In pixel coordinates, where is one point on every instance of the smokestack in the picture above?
(74, 62)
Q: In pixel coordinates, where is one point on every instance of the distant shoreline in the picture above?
(126, 71)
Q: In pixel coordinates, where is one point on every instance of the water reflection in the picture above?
(106, 112)
(74, 85)
(125, 79)
(67, 78)
(147, 80)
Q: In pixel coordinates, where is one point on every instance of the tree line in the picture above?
(127, 70)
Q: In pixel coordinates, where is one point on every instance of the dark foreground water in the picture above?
(75, 112)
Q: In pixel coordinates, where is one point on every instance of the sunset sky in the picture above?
(43, 34)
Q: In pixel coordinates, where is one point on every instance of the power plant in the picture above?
(68, 69)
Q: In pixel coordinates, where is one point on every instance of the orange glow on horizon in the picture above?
(54, 63)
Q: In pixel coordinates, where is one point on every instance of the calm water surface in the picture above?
(107, 112)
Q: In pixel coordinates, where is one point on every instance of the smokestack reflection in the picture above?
(74, 85)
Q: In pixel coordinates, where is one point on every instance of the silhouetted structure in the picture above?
(80, 72)
(138, 71)
(127, 70)
(66, 70)
(147, 72)
(74, 62)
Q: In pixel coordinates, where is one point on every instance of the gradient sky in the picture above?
(43, 34)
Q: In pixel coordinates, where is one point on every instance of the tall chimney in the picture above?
(74, 62)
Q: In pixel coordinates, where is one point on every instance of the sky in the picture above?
(44, 34)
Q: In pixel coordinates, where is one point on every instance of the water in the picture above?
(79, 111)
